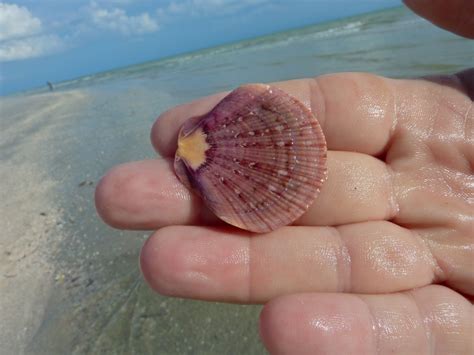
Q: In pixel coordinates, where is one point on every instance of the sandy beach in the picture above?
(32, 220)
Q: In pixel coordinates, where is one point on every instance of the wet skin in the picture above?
(383, 262)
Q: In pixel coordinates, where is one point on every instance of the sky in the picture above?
(57, 40)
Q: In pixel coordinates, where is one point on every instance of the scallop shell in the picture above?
(258, 159)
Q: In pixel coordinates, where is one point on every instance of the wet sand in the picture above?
(32, 220)
(68, 282)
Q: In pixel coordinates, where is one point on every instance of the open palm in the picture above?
(364, 264)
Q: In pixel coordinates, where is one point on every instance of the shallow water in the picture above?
(71, 284)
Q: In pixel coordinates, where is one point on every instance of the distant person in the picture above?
(50, 86)
(383, 265)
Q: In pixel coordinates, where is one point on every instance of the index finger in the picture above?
(351, 107)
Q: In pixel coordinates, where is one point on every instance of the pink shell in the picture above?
(265, 162)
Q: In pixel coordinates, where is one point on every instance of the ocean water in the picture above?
(70, 284)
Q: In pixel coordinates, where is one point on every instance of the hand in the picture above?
(382, 262)
(394, 218)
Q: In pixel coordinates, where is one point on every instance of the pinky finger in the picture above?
(429, 320)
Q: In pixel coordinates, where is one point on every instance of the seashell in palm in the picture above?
(257, 159)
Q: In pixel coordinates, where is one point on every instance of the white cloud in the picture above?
(30, 47)
(17, 21)
(21, 35)
(118, 20)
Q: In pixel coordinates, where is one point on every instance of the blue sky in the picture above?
(58, 40)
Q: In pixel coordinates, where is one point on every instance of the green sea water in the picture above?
(393, 43)
(87, 294)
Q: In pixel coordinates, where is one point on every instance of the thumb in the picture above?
(454, 15)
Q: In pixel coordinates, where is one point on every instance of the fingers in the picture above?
(455, 15)
(359, 188)
(147, 195)
(430, 320)
(356, 112)
(454, 252)
(221, 265)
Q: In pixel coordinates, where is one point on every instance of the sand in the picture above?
(68, 282)
(31, 220)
